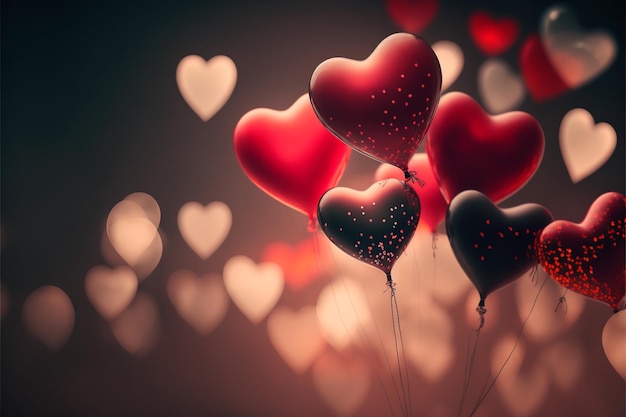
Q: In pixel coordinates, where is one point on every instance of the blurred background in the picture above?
(101, 155)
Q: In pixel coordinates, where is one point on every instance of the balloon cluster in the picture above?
(384, 107)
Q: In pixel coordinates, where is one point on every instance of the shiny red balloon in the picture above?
(432, 202)
(539, 75)
(491, 35)
(290, 155)
(494, 246)
(412, 15)
(472, 150)
(589, 257)
(374, 226)
(381, 106)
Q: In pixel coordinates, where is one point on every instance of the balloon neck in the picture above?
(481, 312)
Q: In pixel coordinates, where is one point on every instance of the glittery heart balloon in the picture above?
(471, 150)
(494, 246)
(381, 106)
(374, 225)
(492, 35)
(290, 155)
(542, 80)
(588, 257)
(433, 205)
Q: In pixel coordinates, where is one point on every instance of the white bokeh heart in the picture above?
(254, 288)
(48, 315)
(110, 290)
(200, 300)
(296, 336)
(585, 145)
(501, 90)
(206, 85)
(204, 228)
(577, 55)
(343, 312)
(342, 382)
(130, 232)
(137, 328)
(614, 341)
(522, 392)
(451, 60)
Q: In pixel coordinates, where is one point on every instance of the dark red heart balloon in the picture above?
(374, 225)
(472, 150)
(433, 204)
(412, 15)
(492, 35)
(290, 155)
(540, 77)
(381, 106)
(494, 246)
(588, 257)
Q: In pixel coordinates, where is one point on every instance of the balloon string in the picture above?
(361, 334)
(486, 389)
(406, 391)
(469, 363)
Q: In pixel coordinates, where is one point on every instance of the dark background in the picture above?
(91, 113)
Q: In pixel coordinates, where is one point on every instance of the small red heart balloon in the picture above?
(471, 150)
(492, 36)
(381, 106)
(290, 155)
(588, 257)
(494, 246)
(301, 263)
(375, 225)
(540, 77)
(412, 15)
(432, 202)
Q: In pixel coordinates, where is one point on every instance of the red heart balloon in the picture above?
(492, 36)
(290, 155)
(432, 202)
(471, 150)
(540, 77)
(412, 15)
(494, 246)
(381, 106)
(588, 257)
(300, 264)
(374, 225)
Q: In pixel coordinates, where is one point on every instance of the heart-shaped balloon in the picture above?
(381, 106)
(433, 205)
(588, 257)
(494, 246)
(412, 15)
(542, 80)
(374, 225)
(290, 155)
(492, 35)
(471, 150)
(577, 55)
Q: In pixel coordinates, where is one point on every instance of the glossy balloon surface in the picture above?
(494, 246)
(374, 225)
(588, 257)
(381, 106)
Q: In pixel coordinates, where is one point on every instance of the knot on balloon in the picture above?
(391, 285)
(411, 176)
(481, 312)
